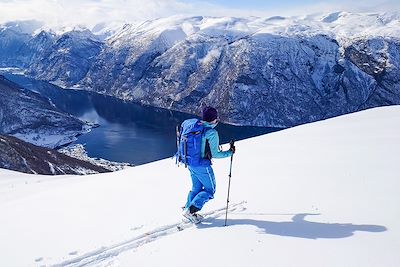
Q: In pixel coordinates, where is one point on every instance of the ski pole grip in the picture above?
(232, 146)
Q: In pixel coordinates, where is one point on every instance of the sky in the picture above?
(91, 12)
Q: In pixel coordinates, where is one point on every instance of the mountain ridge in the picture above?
(24, 157)
(32, 118)
(275, 72)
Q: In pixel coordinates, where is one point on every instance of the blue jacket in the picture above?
(213, 139)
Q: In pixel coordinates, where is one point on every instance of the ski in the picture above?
(99, 255)
(186, 223)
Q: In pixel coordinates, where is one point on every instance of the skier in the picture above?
(201, 172)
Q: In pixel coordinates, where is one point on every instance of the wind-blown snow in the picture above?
(211, 55)
(321, 194)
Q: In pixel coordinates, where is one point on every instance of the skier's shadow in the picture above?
(298, 227)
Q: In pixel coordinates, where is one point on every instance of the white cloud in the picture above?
(91, 12)
(347, 5)
(88, 12)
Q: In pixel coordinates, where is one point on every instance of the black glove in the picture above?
(232, 148)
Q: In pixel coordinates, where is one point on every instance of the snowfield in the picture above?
(321, 194)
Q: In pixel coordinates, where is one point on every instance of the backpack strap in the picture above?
(207, 151)
(178, 144)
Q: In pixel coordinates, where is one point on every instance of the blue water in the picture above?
(128, 132)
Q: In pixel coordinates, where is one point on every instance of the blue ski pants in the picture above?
(203, 186)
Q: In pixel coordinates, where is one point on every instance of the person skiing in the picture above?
(201, 172)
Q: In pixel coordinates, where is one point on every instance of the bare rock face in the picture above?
(18, 155)
(380, 59)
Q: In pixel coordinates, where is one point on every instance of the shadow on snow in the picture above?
(299, 227)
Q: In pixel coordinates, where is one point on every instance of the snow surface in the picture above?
(322, 194)
(78, 151)
(340, 24)
(49, 139)
(176, 28)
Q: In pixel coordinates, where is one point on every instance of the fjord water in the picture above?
(128, 132)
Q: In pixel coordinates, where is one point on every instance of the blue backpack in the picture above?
(188, 140)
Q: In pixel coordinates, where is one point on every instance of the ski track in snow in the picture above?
(98, 256)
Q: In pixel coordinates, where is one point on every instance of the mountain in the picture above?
(23, 26)
(67, 60)
(276, 72)
(17, 44)
(21, 156)
(104, 30)
(10, 44)
(36, 48)
(32, 118)
(320, 194)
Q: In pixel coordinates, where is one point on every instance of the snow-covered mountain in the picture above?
(21, 156)
(321, 194)
(276, 71)
(67, 60)
(32, 118)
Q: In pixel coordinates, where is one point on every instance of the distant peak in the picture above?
(275, 18)
(24, 26)
(332, 17)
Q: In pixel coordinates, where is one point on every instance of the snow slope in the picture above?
(322, 194)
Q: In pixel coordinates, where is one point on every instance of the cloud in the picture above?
(88, 12)
(91, 12)
(348, 5)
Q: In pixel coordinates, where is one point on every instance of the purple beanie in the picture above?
(209, 114)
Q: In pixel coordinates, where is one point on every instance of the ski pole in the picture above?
(229, 184)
